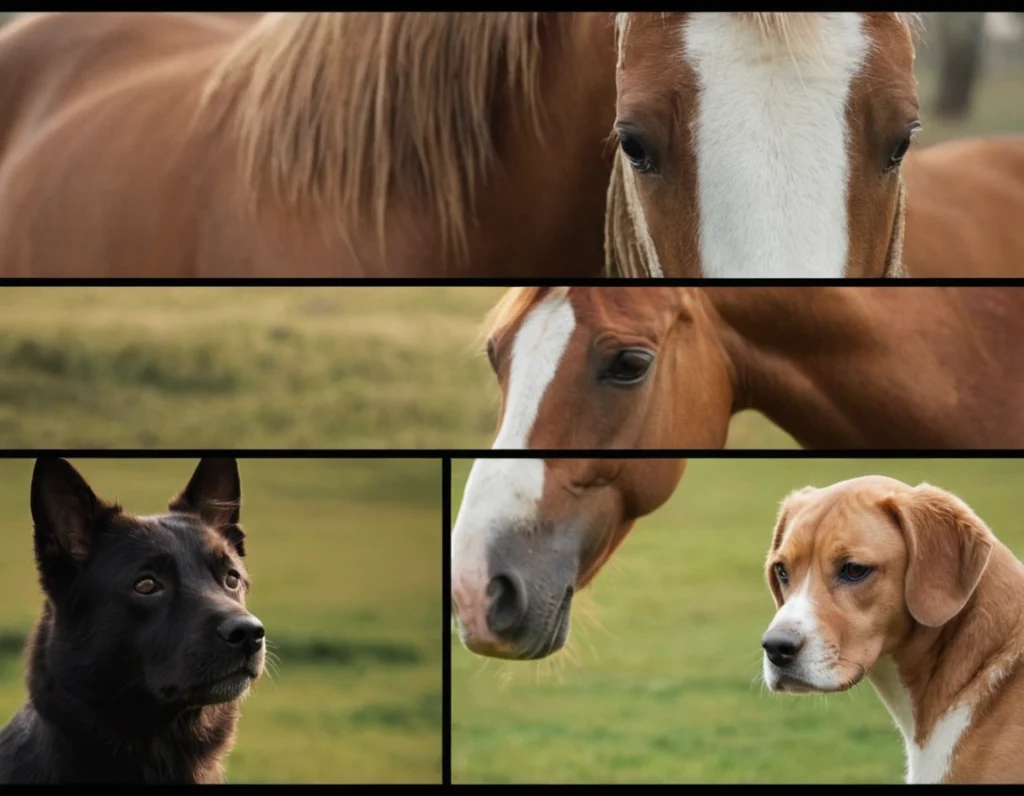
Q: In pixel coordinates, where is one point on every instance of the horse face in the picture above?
(763, 145)
(532, 532)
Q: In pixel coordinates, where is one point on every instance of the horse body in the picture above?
(123, 156)
(858, 368)
(965, 201)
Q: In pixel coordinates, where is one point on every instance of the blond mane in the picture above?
(628, 250)
(512, 306)
(345, 114)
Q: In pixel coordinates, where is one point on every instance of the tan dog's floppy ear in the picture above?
(948, 547)
(786, 509)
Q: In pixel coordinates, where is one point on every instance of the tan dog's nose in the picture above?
(781, 645)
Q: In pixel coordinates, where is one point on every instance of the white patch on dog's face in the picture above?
(813, 667)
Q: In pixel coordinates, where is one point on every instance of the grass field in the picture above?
(351, 367)
(660, 682)
(346, 565)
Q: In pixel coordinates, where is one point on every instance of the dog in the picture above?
(144, 647)
(907, 587)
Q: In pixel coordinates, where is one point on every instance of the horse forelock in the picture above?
(513, 306)
(343, 115)
(801, 31)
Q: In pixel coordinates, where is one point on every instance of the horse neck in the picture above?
(553, 180)
(865, 367)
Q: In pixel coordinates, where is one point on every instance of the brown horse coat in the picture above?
(304, 145)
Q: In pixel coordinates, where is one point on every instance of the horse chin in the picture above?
(557, 633)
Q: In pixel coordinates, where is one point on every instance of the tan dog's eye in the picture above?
(851, 572)
(781, 574)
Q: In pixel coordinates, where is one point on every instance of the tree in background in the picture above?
(958, 38)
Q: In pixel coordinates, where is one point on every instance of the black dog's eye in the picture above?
(635, 151)
(781, 574)
(851, 572)
(902, 145)
(146, 586)
(628, 367)
(232, 579)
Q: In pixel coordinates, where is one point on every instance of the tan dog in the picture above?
(907, 586)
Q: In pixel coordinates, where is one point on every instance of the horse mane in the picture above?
(342, 114)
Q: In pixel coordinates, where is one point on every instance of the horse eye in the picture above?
(629, 367)
(896, 158)
(781, 574)
(635, 152)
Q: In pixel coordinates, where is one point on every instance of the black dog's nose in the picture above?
(244, 631)
(508, 604)
(782, 645)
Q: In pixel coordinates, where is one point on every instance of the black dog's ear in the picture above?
(215, 494)
(66, 513)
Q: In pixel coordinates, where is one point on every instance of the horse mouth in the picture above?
(558, 632)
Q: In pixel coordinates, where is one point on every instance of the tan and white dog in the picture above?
(908, 587)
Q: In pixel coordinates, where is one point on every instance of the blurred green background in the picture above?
(346, 565)
(661, 678)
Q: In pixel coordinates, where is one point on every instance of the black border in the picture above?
(456, 280)
(443, 454)
(446, 627)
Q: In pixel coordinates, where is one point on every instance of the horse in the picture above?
(778, 145)
(202, 145)
(665, 368)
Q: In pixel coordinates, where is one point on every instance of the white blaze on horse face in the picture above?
(771, 141)
(502, 495)
(536, 353)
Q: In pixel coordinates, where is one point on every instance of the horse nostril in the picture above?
(508, 604)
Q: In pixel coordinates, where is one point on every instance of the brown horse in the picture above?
(655, 368)
(305, 144)
(772, 145)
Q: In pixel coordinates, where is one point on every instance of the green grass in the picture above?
(355, 367)
(346, 565)
(660, 680)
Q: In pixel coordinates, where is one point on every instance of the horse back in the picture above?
(965, 202)
(49, 60)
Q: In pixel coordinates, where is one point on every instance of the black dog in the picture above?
(145, 646)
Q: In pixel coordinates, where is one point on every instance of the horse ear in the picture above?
(786, 509)
(948, 548)
(65, 515)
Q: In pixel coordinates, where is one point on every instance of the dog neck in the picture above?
(938, 680)
(127, 739)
